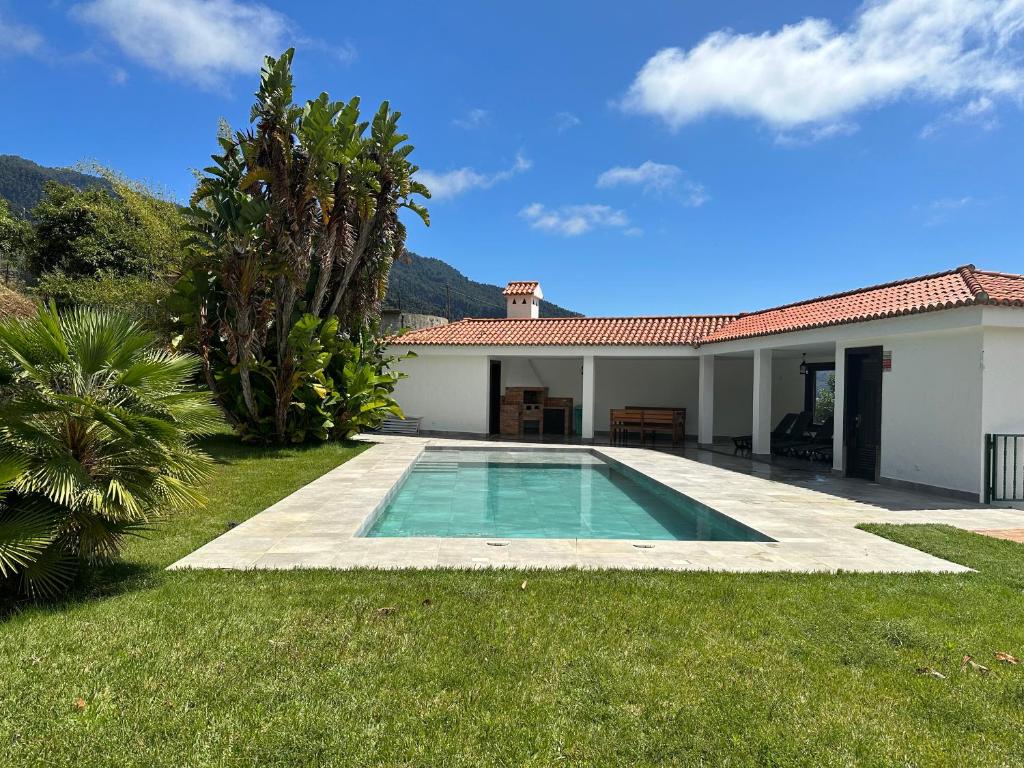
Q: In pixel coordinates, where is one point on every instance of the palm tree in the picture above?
(96, 441)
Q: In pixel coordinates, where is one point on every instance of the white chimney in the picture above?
(522, 299)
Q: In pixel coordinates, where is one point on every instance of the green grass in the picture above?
(604, 668)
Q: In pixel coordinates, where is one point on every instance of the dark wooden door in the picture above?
(863, 412)
(494, 398)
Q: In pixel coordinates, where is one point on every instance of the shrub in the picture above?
(142, 299)
(96, 442)
(83, 232)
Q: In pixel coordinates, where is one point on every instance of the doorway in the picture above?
(494, 398)
(862, 412)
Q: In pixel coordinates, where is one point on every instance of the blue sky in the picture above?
(636, 158)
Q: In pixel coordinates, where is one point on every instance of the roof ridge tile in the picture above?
(966, 273)
(854, 291)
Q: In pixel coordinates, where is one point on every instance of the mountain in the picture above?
(21, 181)
(418, 283)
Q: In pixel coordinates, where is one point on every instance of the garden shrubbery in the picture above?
(97, 440)
(294, 229)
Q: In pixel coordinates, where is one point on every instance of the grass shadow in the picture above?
(113, 580)
(247, 478)
(227, 449)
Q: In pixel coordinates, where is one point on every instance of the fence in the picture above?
(1004, 468)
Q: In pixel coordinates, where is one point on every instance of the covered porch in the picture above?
(727, 398)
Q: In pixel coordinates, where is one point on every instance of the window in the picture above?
(820, 390)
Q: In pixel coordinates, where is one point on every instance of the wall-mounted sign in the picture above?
(886, 361)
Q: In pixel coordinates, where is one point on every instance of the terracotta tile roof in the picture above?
(1001, 288)
(961, 287)
(521, 288)
(569, 331)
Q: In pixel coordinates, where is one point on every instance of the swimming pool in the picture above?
(561, 494)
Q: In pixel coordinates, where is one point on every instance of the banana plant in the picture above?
(366, 382)
(298, 216)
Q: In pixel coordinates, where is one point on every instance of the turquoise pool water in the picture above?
(547, 495)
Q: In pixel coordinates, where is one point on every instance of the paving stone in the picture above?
(810, 515)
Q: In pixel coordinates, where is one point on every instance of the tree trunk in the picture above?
(323, 280)
(204, 332)
(352, 264)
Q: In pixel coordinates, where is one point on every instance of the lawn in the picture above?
(152, 668)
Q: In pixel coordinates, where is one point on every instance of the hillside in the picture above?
(21, 181)
(13, 304)
(418, 285)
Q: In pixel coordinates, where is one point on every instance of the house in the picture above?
(923, 369)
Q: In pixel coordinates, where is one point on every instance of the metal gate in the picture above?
(1004, 468)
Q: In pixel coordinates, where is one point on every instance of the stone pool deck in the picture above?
(811, 515)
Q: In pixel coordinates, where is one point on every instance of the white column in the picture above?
(839, 410)
(588, 398)
(762, 426)
(706, 401)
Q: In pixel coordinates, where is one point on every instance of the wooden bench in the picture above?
(622, 421)
(647, 421)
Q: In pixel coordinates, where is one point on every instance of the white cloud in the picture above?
(200, 40)
(449, 184)
(658, 178)
(694, 194)
(980, 111)
(653, 177)
(810, 73)
(16, 39)
(565, 120)
(473, 119)
(801, 137)
(938, 211)
(573, 220)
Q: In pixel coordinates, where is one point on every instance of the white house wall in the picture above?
(518, 372)
(562, 376)
(1003, 390)
(667, 383)
(1003, 398)
(449, 392)
(931, 409)
(734, 404)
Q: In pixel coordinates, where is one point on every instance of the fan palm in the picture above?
(96, 428)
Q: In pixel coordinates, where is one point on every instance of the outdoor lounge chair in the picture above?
(797, 434)
(821, 453)
(746, 442)
(821, 439)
